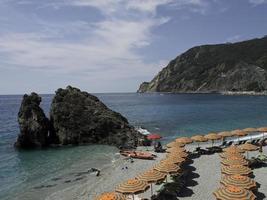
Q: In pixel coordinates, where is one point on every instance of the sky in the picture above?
(111, 45)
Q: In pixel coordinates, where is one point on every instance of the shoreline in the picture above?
(226, 93)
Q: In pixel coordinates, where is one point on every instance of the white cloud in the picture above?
(107, 49)
(257, 2)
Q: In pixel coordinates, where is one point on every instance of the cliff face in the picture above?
(79, 117)
(239, 66)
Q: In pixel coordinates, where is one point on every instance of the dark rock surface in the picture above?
(78, 117)
(233, 67)
(33, 124)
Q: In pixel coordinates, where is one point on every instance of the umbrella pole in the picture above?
(151, 189)
(133, 196)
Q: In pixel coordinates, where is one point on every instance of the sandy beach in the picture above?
(205, 178)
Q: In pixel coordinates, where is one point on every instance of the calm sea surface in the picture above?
(170, 115)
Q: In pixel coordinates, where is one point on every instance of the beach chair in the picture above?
(228, 144)
(223, 144)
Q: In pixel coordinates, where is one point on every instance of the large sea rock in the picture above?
(33, 124)
(236, 67)
(78, 117)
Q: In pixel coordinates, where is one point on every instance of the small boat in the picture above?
(138, 155)
(142, 131)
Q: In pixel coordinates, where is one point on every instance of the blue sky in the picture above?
(111, 45)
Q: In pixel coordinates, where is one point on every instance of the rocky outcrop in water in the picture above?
(78, 117)
(33, 124)
(235, 67)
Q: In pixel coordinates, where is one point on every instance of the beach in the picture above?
(201, 183)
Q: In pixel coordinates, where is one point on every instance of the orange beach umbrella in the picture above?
(249, 130)
(231, 154)
(175, 144)
(184, 140)
(233, 149)
(248, 147)
(239, 181)
(212, 137)
(152, 176)
(110, 196)
(167, 168)
(233, 193)
(180, 154)
(226, 134)
(236, 169)
(132, 186)
(234, 161)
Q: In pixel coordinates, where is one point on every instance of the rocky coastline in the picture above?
(76, 117)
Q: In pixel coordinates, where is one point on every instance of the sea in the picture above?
(171, 115)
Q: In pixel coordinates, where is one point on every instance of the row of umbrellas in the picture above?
(171, 165)
(235, 180)
(235, 166)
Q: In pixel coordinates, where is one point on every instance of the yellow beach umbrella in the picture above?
(236, 169)
(184, 140)
(111, 196)
(177, 154)
(233, 193)
(232, 154)
(175, 144)
(212, 137)
(199, 138)
(152, 176)
(241, 133)
(234, 161)
(250, 130)
(262, 129)
(226, 134)
(175, 149)
(173, 160)
(239, 181)
(167, 168)
(132, 187)
(248, 147)
(233, 149)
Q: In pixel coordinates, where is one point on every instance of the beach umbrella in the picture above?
(231, 154)
(184, 140)
(173, 160)
(236, 169)
(239, 181)
(199, 138)
(234, 161)
(248, 147)
(262, 129)
(233, 193)
(233, 149)
(175, 144)
(225, 134)
(175, 149)
(132, 187)
(180, 154)
(152, 176)
(241, 133)
(167, 168)
(153, 136)
(212, 137)
(111, 196)
(250, 130)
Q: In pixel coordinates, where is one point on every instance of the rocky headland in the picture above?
(230, 68)
(76, 117)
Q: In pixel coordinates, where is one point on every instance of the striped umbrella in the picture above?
(248, 147)
(173, 160)
(199, 138)
(175, 145)
(212, 137)
(226, 134)
(239, 181)
(236, 169)
(184, 140)
(250, 130)
(110, 196)
(231, 154)
(234, 161)
(167, 168)
(132, 186)
(152, 176)
(262, 129)
(233, 193)
(180, 154)
(233, 149)
(175, 149)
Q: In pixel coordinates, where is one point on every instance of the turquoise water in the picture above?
(170, 115)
